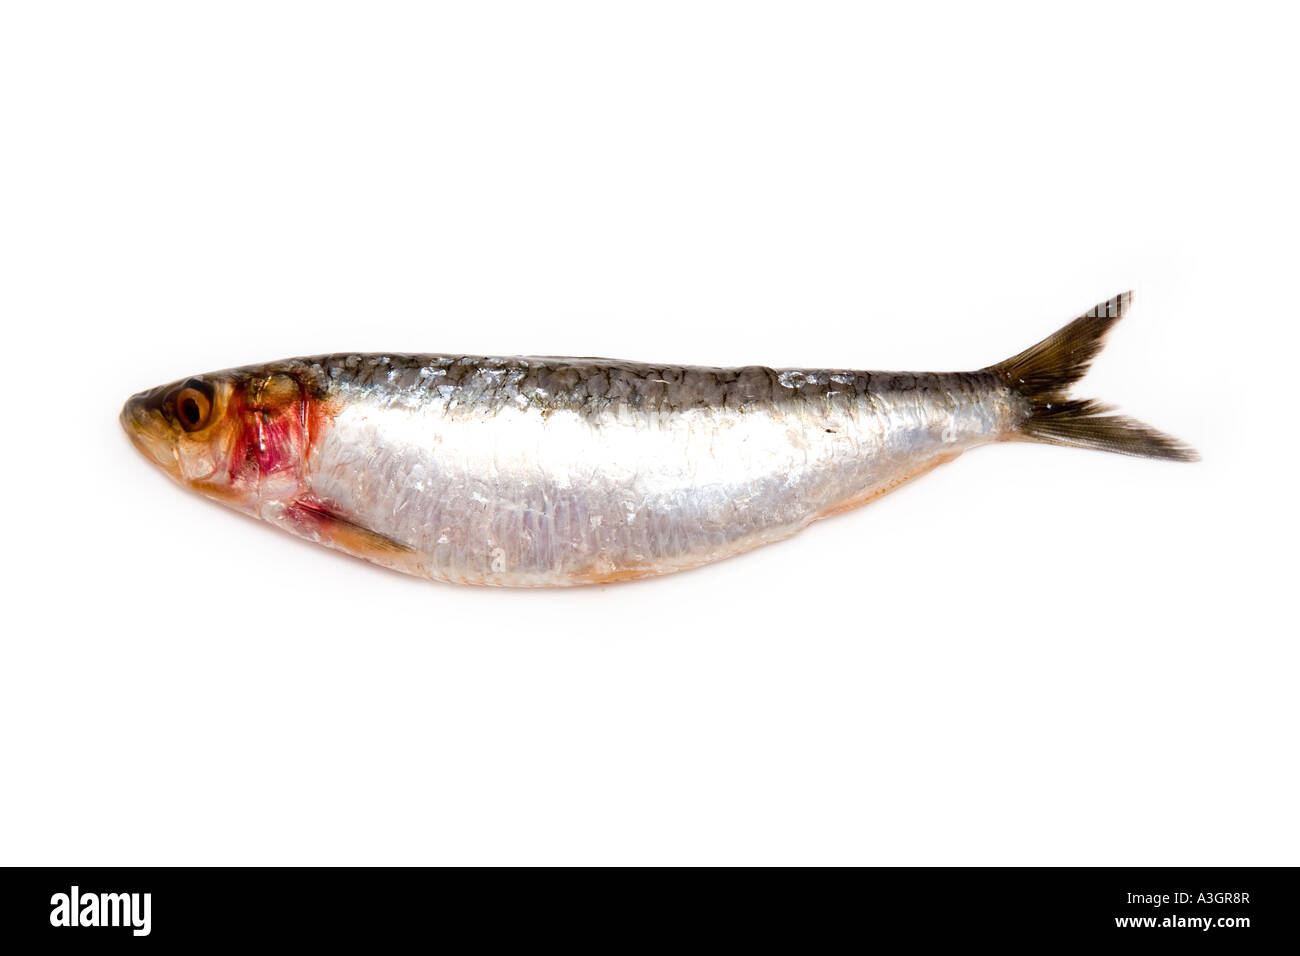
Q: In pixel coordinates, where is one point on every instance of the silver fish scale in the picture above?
(545, 471)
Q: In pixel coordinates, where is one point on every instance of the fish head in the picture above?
(240, 436)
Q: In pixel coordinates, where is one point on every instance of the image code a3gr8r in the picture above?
(544, 471)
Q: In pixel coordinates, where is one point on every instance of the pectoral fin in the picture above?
(326, 524)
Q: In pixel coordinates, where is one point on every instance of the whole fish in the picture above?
(537, 472)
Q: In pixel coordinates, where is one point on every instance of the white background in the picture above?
(1033, 655)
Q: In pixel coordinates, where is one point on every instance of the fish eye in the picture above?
(193, 407)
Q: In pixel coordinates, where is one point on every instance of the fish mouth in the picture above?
(143, 421)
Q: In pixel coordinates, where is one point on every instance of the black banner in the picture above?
(146, 907)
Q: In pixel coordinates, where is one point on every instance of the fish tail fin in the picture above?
(1043, 373)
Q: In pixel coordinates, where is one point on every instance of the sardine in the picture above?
(538, 472)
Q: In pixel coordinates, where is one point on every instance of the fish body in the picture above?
(534, 472)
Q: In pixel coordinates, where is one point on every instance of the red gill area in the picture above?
(276, 422)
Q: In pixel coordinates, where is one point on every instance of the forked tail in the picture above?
(1043, 373)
